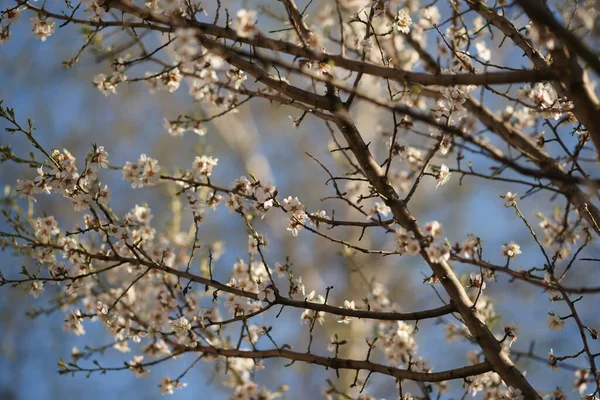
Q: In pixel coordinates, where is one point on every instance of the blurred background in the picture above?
(69, 112)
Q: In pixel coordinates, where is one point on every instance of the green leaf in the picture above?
(62, 366)
(25, 272)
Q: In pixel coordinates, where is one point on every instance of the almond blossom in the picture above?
(43, 28)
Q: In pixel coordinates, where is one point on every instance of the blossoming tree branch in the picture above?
(455, 111)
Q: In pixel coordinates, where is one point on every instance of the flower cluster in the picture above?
(560, 237)
(511, 249)
(108, 84)
(166, 81)
(143, 173)
(492, 387)
(10, 15)
(43, 28)
(398, 342)
(469, 247)
(430, 16)
(403, 21)
(298, 215)
(255, 278)
(64, 178)
(455, 97)
(545, 99)
(309, 315)
(245, 23)
(406, 242)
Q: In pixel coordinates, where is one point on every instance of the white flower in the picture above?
(429, 16)
(413, 247)
(105, 84)
(511, 249)
(543, 94)
(455, 96)
(171, 80)
(245, 23)
(255, 332)
(333, 341)
(469, 247)
(185, 46)
(11, 15)
(241, 185)
(233, 303)
(214, 200)
(265, 195)
(581, 380)
(306, 317)
(181, 326)
(478, 23)
(42, 28)
(445, 146)
(442, 176)
(378, 209)
(203, 166)
(403, 21)
(174, 128)
(295, 223)
(348, 305)
(254, 241)
(137, 367)
(321, 214)
(294, 206)
(73, 323)
(143, 173)
(482, 51)
(476, 280)
(266, 293)
(100, 157)
(122, 346)
(206, 316)
(95, 10)
(46, 227)
(232, 203)
(36, 288)
(437, 254)
(167, 386)
(117, 232)
(510, 198)
(555, 323)
(27, 189)
(402, 235)
(198, 129)
(195, 204)
(433, 229)
(142, 214)
(281, 270)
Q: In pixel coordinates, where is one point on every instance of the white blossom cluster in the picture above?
(134, 230)
(407, 242)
